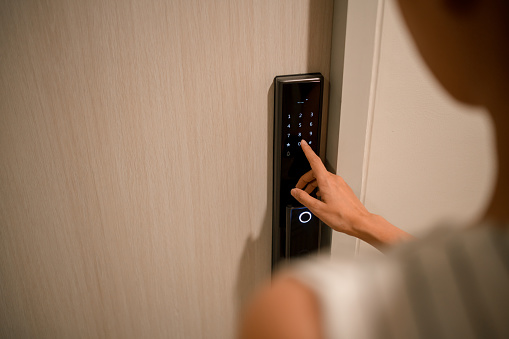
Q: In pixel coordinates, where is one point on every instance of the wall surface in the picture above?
(430, 158)
(426, 159)
(135, 160)
(352, 74)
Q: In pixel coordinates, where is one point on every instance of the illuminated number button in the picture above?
(311, 123)
(310, 133)
(288, 126)
(288, 145)
(288, 153)
(311, 113)
(288, 135)
(289, 116)
(298, 143)
(300, 124)
(300, 115)
(300, 134)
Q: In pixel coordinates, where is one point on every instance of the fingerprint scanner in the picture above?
(304, 217)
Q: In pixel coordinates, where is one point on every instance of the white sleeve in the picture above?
(344, 296)
(451, 284)
(358, 300)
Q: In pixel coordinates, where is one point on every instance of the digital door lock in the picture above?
(297, 115)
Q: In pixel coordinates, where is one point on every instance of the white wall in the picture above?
(426, 158)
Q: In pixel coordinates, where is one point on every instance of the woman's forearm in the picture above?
(378, 232)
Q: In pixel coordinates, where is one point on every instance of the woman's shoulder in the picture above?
(429, 287)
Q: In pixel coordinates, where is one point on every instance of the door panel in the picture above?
(135, 178)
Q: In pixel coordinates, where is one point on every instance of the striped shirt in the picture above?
(451, 284)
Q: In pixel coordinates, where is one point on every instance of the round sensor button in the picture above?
(304, 217)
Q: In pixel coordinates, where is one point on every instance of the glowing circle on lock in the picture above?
(305, 217)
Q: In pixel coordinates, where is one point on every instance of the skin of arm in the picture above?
(340, 208)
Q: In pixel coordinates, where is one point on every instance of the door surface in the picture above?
(135, 154)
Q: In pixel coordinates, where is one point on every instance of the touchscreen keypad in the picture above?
(300, 117)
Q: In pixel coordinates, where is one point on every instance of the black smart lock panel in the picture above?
(297, 116)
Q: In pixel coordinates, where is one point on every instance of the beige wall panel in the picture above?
(135, 160)
(353, 46)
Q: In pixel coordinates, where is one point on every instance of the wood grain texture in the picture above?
(135, 154)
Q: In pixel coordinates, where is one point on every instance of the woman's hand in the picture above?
(339, 207)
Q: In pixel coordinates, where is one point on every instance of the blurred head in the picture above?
(465, 44)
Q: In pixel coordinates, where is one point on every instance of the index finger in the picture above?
(319, 170)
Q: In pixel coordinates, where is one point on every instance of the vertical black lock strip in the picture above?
(297, 116)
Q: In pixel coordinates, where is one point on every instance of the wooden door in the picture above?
(135, 160)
